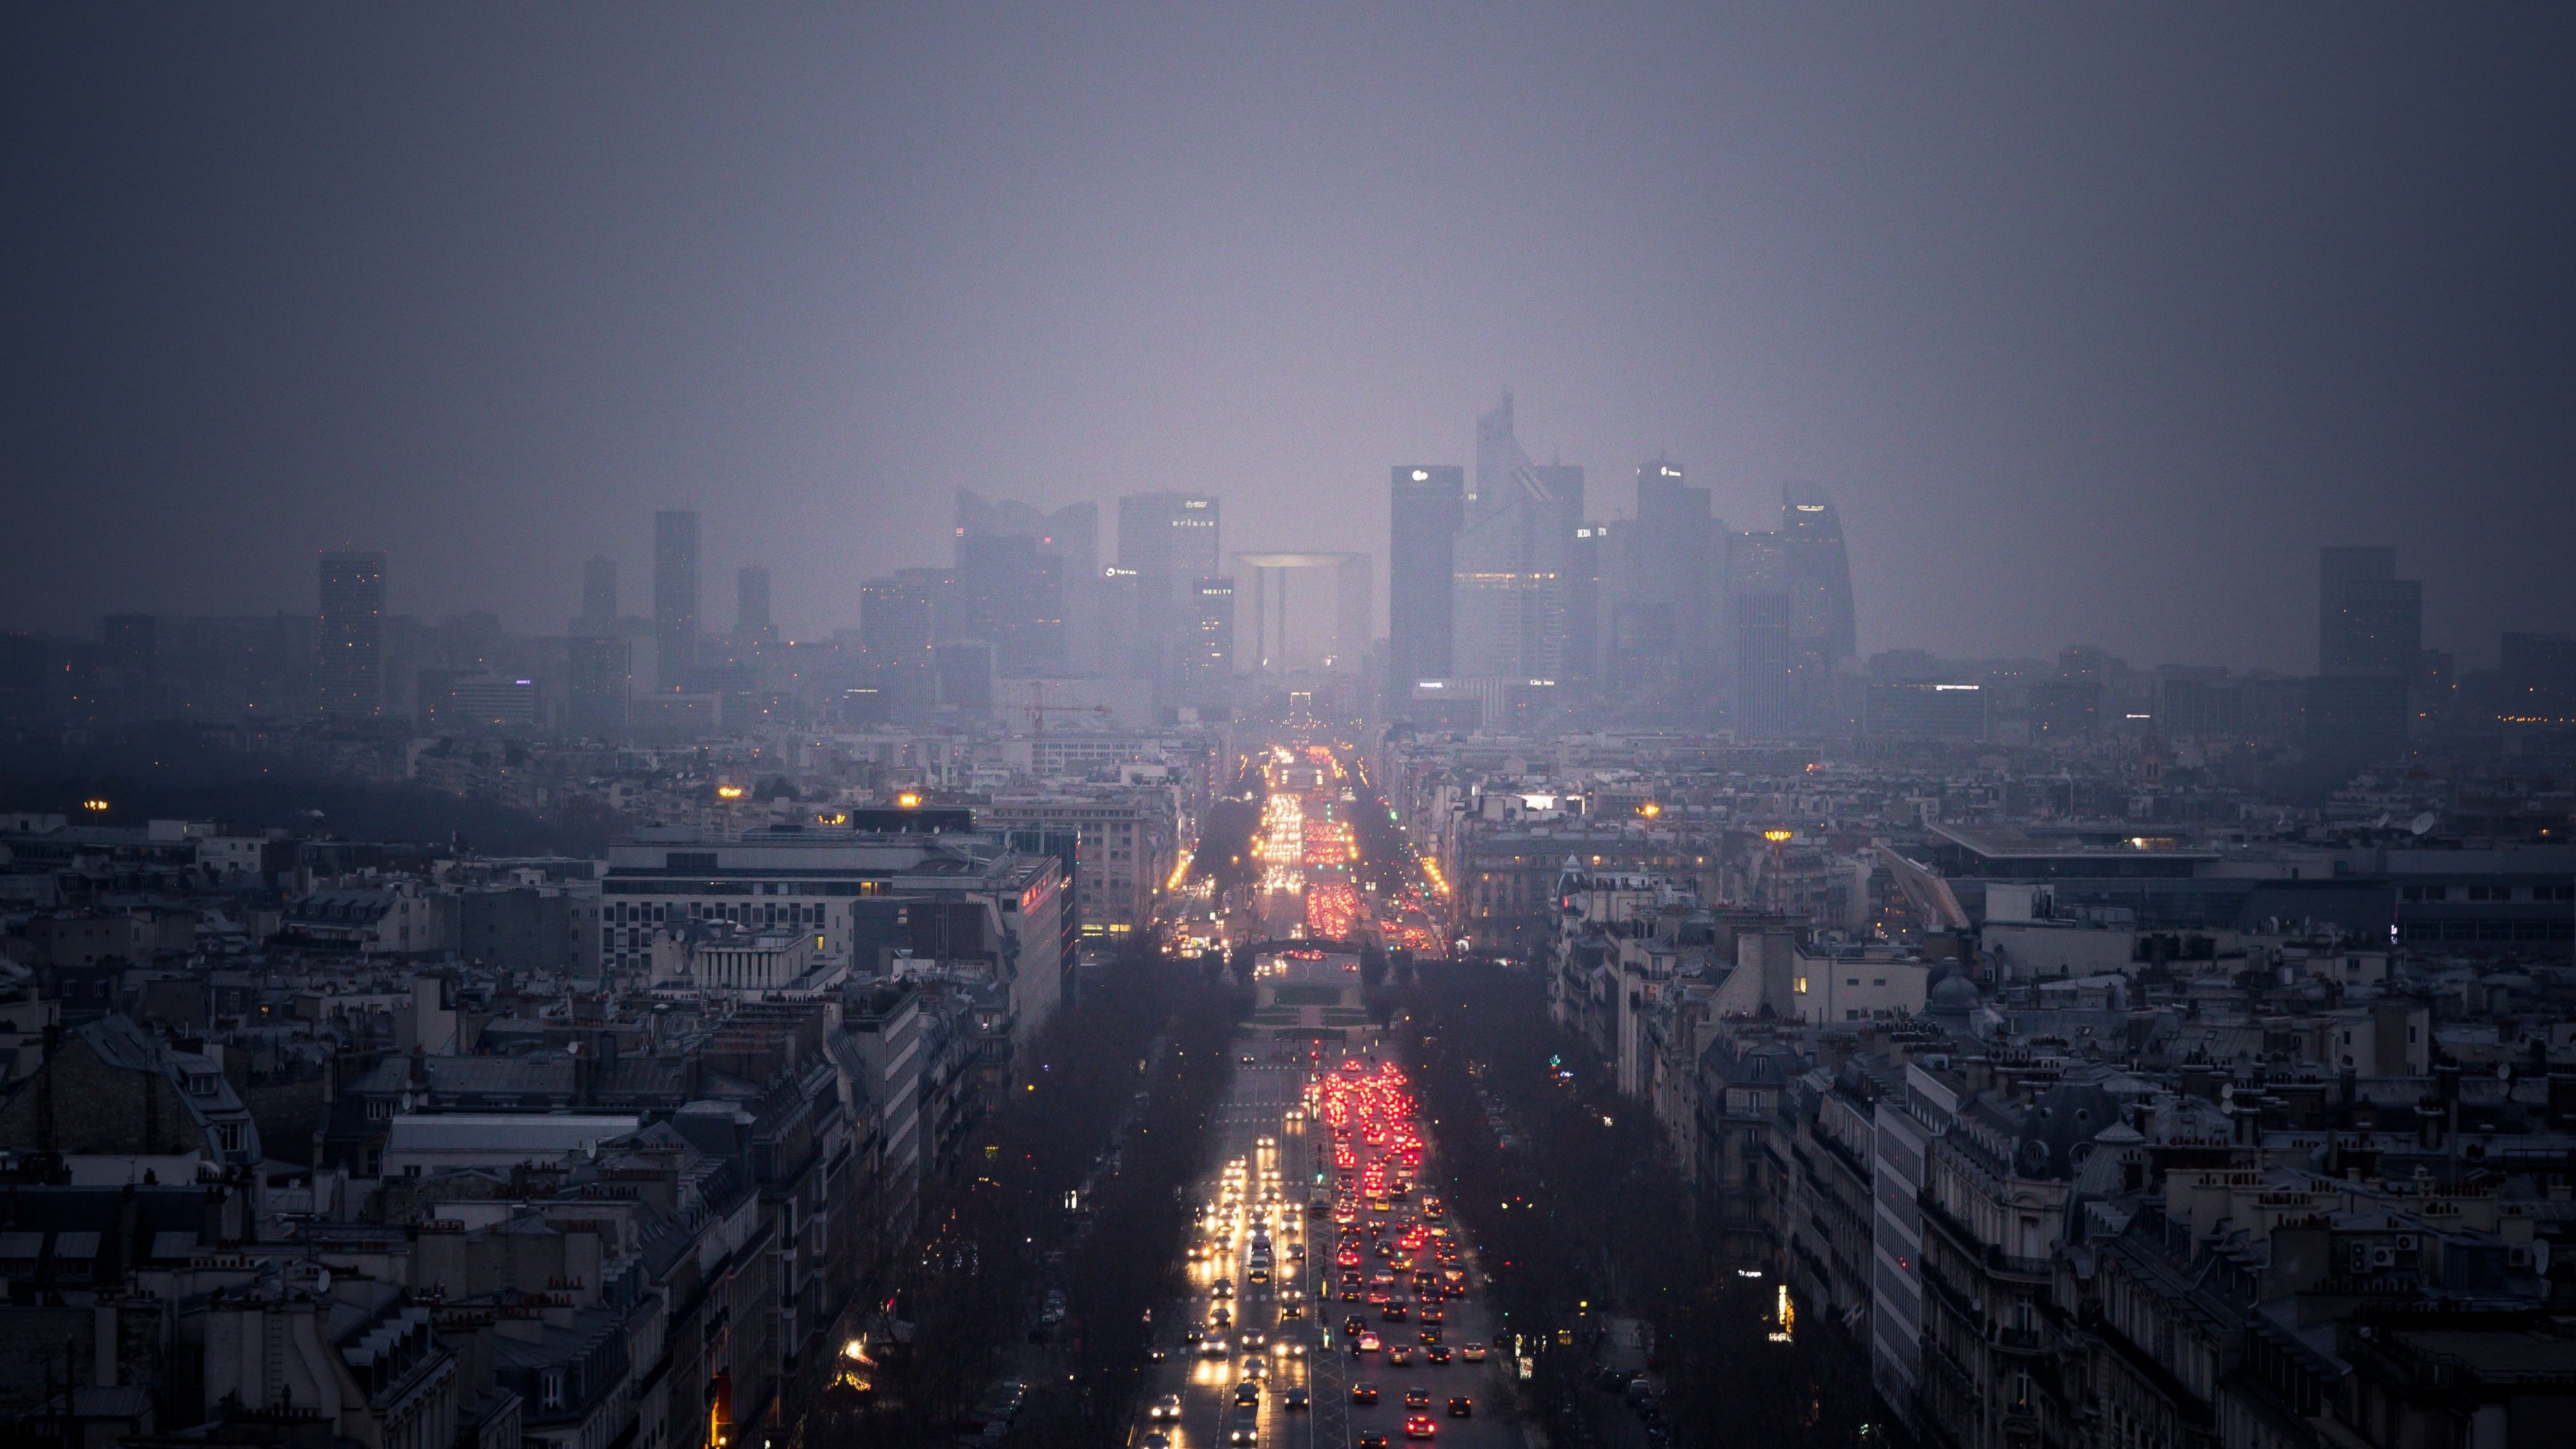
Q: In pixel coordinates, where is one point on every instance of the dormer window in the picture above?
(202, 1084)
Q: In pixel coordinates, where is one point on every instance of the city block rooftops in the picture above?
(493, 1135)
(2542, 862)
(2000, 849)
(816, 854)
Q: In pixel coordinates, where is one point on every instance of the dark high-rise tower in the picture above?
(1759, 612)
(2370, 644)
(1584, 560)
(348, 668)
(1210, 660)
(1020, 573)
(1509, 605)
(2369, 621)
(1169, 535)
(1822, 634)
(751, 604)
(1167, 542)
(1811, 535)
(602, 678)
(675, 596)
(1428, 503)
(1665, 607)
(898, 625)
(599, 591)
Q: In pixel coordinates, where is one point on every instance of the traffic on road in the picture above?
(1332, 1300)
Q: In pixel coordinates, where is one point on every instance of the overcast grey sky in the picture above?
(2096, 319)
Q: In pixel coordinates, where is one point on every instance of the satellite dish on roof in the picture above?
(2422, 823)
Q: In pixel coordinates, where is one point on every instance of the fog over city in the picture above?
(1209, 726)
(2095, 321)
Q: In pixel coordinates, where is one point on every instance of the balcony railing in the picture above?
(1989, 1257)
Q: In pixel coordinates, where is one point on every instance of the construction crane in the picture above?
(1039, 709)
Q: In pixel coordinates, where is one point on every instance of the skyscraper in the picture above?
(1020, 573)
(1584, 560)
(1210, 661)
(2369, 621)
(1667, 616)
(1511, 555)
(348, 667)
(1167, 542)
(1354, 610)
(1130, 646)
(599, 591)
(1170, 536)
(898, 624)
(1822, 635)
(1427, 504)
(602, 669)
(1759, 612)
(751, 605)
(2370, 642)
(675, 596)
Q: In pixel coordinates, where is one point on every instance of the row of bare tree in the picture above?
(1115, 1102)
(1582, 1218)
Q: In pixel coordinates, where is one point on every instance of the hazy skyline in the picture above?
(2095, 324)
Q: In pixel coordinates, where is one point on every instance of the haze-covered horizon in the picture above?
(2095, 325)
